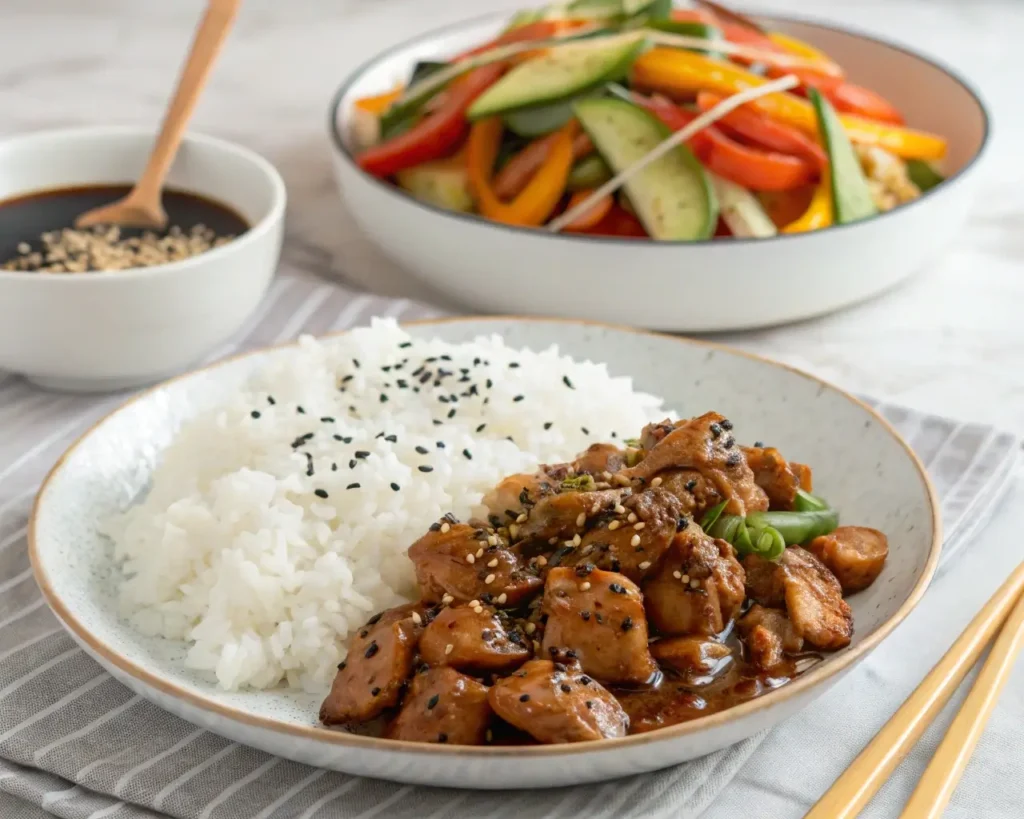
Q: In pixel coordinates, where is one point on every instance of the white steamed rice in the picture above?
(234, 552)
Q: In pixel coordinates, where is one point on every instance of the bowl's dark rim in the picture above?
(355, 76)
(212, 709)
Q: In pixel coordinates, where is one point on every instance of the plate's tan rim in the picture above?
(822, 672)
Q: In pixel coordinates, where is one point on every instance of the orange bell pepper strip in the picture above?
(511, 179)
(538, 199)
(680, 73)
(592, 217)
(819, 213)
(764, 132)
(798, 48)
(379, 103)
(784, 207)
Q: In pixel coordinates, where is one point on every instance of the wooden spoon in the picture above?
(142, 207)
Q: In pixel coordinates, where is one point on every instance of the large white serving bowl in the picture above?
(106, 331)
(860, 464)
(693, 286)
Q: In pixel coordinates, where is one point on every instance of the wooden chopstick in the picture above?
(852, 791)
(940, 778)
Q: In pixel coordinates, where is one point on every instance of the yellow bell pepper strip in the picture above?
(819, 213)
(538, 199)
(799, 48)
(379, 103)
(678, 73)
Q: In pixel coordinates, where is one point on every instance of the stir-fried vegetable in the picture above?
(745, 120)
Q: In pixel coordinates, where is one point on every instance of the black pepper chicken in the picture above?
(588, 601)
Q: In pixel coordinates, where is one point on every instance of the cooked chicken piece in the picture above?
(699, 587)
(600, 616)
(462, 564)
(618, 545)
(768, 635)
(803, 476)
(706, 445)
(568, 513)
(695, 493)
(516, 493)
(554, 702)
(854, 554)
(471, 642)
(599, 458)
(652, 434)
(691, 656)
(443, 705)
(811, 593)
(887, 177)
(380, 660)
(774, 474)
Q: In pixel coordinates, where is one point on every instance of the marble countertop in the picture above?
(949, 341)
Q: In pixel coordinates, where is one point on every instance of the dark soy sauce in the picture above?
(25, 218)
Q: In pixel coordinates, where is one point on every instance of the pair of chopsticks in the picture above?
(852, 791)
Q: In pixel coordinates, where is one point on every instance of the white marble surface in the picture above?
(950, 341)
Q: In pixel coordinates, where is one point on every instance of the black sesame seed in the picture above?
(422, 450)
(615, 588)
(300, 410)
(584, 430)
(585, 615)
(682, 523)
(255, 413)
(443, 399)
(362, 453)
(615, 434)
(392, 438)
(374, 691)
(327, 419)
(451, 413)
(589, 704)
(309, 465)
(729, 442)
(548, 424)
(716, 430)
(519, 398)
(405, 344)
(341, 666)
(425, 468)
(395, 487)
(435, 527)
(320, 493)
(758, 444)
(524, 698)
(355, 363)
(726, 423)
(440, 444)
(352, 486)
(565, 688)
(467, 454)
(270, 400)
(489, 383)
(442, 737)
(334, 467)
(437, 423)
(352, 464)
(599, 617)
(691, 484)
(733, 459)
(585, 680)
(402, 384)
(584, 569)
(347, 378)
(371, 649)
(570, 654)
(567, 382)
(627, 623)
(433, 701)
(426, 377)
(481, 427)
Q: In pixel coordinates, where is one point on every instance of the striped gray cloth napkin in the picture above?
(75, 743)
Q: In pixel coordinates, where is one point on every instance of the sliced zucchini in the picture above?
(589, 172)
(595, 9)
(424, 68)
(651, 9)
(741, 210)
(672, 195)
(851, 197)
(923, 175)
(539, 120)
(443, 182)
(559, 74)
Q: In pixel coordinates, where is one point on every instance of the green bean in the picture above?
(806, 502)
(796, 527)
(712, 515)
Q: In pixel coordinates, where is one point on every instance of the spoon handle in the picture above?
(213, 29)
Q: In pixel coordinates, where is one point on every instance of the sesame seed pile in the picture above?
(105, 248)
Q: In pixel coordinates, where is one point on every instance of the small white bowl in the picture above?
(714, 285)
(106, 331)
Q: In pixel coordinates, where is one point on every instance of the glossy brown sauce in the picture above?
(25, 218)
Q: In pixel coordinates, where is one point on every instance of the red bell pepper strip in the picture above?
(844, 96)
(437, 134)
(720, 154)
(592, 217)
(510, 181)
(618, 222)
(764, 132)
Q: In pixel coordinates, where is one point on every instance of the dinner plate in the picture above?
(859, 461)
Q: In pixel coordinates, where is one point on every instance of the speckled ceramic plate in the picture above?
(859, 461)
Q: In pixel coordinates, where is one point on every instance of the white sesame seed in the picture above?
(492, 540)
(512, 530)
(502, 599)
(447, 599)
(620, 509)
(632, 517)
(595, 508)
(586, 550)
(585, 585)
(542, 561)
(552, 541)
(576, 540)
(581, 518)
(570, 471)
(621, 480)
(492, 563)
(635, 540)
(479, 552)
(645, 565)
(416, 618)
(606, 475)
(694, 583)
(677, 575)
(521, 518)
(488, 580)
(531, 627)
(474, 603)
(685, 578)
(613, 526)
(639, 526)
(470, 559)
(448, 649)
(656, 482)
(445, 528)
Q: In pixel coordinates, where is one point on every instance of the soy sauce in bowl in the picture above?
(37, 231)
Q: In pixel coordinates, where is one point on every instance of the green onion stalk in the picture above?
(769, 533)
